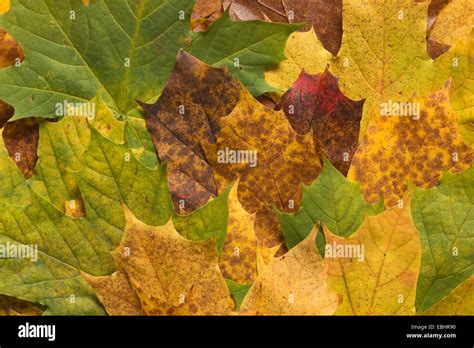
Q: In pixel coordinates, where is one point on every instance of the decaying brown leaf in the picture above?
(211, 130)
(183, 123)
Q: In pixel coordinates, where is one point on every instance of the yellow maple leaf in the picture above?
(376, 269)
(413, 148)
(162, 273)
(281, 161)
(293, 284)
(303, 51)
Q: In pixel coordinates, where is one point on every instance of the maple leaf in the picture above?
(314, 102)
(148, 260)
(182, 138)
(444, 219)
(415, 148)
(332, 200)
(459, 302)
(303, 52)
(324, 16)
(283, 161)
(376, 268)
(293, 284)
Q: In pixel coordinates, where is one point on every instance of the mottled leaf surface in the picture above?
(148, 260)
(315, 103)
(284, 160)
(401, 149)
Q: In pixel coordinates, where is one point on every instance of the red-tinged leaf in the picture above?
(316, 102)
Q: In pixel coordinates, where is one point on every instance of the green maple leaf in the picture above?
(123, 50)
(444, 217)
(332, 200)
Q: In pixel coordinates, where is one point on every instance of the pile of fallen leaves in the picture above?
(170, 158)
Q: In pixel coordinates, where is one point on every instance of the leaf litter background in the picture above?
(103, 198)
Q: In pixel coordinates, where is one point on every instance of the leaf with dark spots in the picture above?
(183, 124)
(315, 102)
(282, 161)
(164, 274)
(324, 16)
(401, 149)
